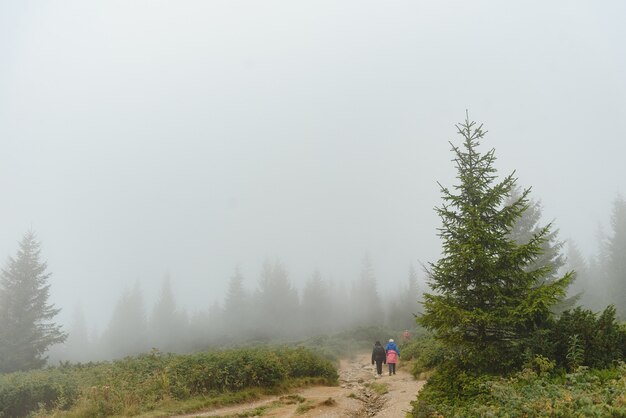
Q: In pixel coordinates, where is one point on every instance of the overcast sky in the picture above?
(145, 137)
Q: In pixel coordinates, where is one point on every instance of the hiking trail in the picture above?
(357, 395)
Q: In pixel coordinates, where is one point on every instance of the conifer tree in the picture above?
(127, 333)
(551, 255)
(366, 303)
(236, 308)
(278, 305)
(615, 256)
(402, 313)
(78, 345)
(167, 325)
(317, 309)
(486, 305)
(26, 327)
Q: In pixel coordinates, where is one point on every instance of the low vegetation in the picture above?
(159, 382)
(538, 390)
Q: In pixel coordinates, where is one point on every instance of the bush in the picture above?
(533, 392)
(22, 392)
(425, 353)
(599, 341)
(137, 384)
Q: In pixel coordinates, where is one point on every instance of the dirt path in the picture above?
(356, 396)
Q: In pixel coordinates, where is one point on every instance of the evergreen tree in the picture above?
(551, 255)
(26, 327)
(590, 286)
(277, 303)
(236, 308)
(127, 333)
(402, 313)
(78, 344)
(616, 256)
(167, 325)
(317, 309)
(365, 300)
(488, 305)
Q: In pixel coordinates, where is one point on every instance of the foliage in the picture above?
(346, 343)
(424, 353)
(23, 392)
(599, 339)
(585, 393)
(136, 384)
(486, 303)
(26, 327)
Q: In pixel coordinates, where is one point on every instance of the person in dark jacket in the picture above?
(379, 356)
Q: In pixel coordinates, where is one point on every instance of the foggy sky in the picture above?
(143, 138)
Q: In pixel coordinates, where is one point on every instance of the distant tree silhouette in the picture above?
(237, 314)
(317, 306)
(78, 347)
(615, 256)
(167, 325)
(27, 329)
(127, 333)
(405, 305)
(365, 300)
(551, 256)
(277, 303)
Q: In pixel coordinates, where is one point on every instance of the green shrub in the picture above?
(23, 392)
(600, 341)
(425, 353)
(537, 391)
(132, 385)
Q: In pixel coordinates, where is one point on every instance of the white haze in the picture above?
(143, 138)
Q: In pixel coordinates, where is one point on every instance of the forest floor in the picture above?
(360, 393)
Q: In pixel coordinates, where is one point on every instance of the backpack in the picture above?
(379, 352)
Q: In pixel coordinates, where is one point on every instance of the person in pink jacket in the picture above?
(393, 353)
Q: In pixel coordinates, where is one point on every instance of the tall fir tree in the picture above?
(127, 333)
(592, 291)
(236, 309)
(615, 245)
(27, 329)
(403, 312)
(365, 300)
(317, 307)
(167, 325)
(551, 255)
(78, 347)
(278, 305)
(487, 305)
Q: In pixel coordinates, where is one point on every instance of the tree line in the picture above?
(273, 310)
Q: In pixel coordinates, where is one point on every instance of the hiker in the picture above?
(379, 356)
(393, 353)
(405, 336)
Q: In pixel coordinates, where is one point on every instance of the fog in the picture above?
(143, 139)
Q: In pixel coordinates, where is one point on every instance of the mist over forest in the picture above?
(212, 173)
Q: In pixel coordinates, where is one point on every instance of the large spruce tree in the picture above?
(27, 329)
(487, 304)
